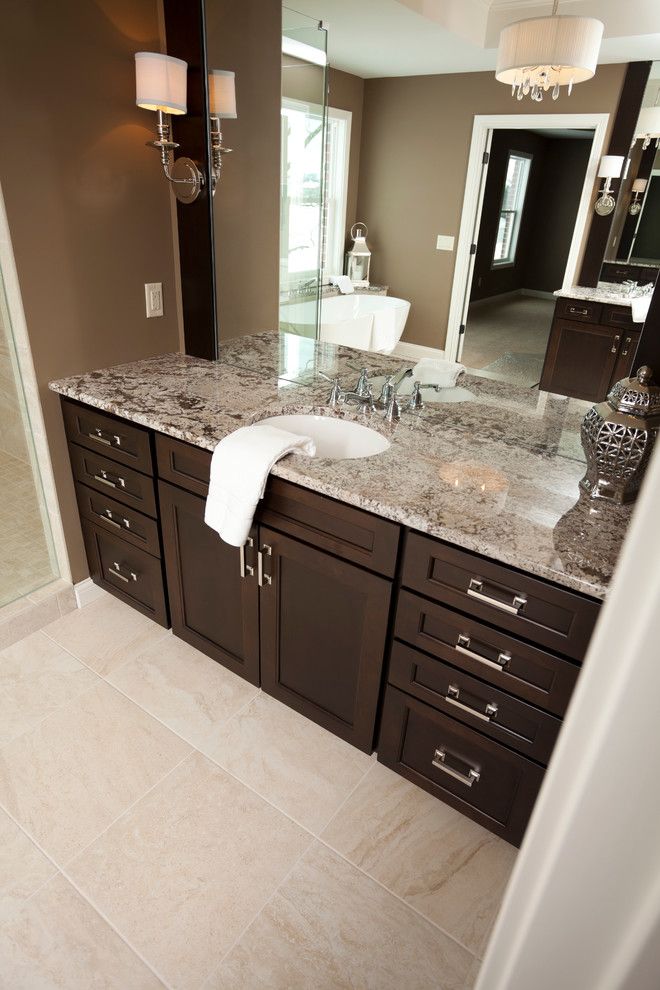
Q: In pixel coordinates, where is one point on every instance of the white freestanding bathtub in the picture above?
(368, 322)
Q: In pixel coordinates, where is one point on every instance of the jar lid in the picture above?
(636, 396)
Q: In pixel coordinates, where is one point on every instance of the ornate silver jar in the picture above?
(618, 437)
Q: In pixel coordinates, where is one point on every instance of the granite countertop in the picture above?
(601, 293)
(489, 467)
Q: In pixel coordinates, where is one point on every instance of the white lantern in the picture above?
(358, 259)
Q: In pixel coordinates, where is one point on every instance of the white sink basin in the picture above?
(340, 439)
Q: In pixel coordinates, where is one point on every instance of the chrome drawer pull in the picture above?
(98, 436)
(452, 696)
(107, 517)
(105, 480)
(580, 312)
(245, 568)
(626, 346)
(463, 646)
(471, 777)
(264, 578)
(475, 590)
(115, 570)
(615, 343)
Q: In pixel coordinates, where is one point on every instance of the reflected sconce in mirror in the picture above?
(610, 168)
(546, 53)
(648, 126)
(161, 84)
(638, 188)
(222, 106)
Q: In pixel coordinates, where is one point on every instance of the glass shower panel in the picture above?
(27, 558)
(304, 122)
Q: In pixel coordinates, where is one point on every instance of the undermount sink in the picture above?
(340, 439)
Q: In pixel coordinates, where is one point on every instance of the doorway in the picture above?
(531, 198)
(528, 191)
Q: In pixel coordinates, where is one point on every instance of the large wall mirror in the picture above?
(375, 199)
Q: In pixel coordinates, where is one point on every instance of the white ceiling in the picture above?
(375, 38)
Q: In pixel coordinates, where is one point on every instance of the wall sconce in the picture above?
(222, 106)
(610, 168)
(161, 85)
(648, 126)
(638, 188)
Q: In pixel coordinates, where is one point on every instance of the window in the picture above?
(313, 225)
(511, 210)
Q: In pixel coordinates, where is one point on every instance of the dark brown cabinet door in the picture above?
(323, 628)
(625, 358)
(580, 359)
(214, 595)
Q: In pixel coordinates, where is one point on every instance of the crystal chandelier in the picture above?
(545, 53)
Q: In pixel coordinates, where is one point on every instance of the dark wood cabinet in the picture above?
(323, 629)
(591, 346)
(214, 595)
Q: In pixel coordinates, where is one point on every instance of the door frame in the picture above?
(475, 183)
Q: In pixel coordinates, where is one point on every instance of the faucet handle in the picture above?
(363, 387)
(393, 410)
(336, 395)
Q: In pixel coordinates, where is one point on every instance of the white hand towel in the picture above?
(240, 467)
(436, 371)
(640, 307)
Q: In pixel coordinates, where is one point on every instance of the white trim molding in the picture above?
(482, 131)
(87, 592)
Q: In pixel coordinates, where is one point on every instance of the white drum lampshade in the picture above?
(648, 124)
(544, 52)
(161, 82)
(610, 167)
(639, 185)
(222, 93)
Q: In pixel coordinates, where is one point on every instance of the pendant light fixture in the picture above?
(546, 53)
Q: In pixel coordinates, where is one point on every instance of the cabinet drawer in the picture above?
(123, 442)
(531, 608)
(578, 309)
(483, 780)
(517, 667)
(525, 729)
(619, 316)
(122, 483)
(349, 533)
(183, 464)
(113, 517)
(131, 574)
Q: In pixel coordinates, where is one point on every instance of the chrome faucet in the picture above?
(388, 397)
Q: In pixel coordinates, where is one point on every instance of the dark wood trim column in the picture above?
(185, 28)
(621, 138)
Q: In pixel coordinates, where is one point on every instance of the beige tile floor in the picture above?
(517, 326)
(164, 823)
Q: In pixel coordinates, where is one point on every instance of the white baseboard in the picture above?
(86, 592)
(415, 352)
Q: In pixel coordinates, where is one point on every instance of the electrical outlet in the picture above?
(444, 243)
(153, 292)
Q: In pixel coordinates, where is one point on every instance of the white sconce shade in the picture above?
(648, 125)
(543, 52)
(222, 93)
(639, 185)
(610, 167)
(160, 82)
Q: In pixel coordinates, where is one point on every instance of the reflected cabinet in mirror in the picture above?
(385, 192)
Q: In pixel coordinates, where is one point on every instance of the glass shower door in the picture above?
(304, 121)
(27, 558)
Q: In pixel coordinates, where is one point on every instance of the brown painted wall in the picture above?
(88, 209)
(416, 134)
(245, 36)
(347, 93)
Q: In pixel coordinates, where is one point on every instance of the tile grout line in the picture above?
(61, 871)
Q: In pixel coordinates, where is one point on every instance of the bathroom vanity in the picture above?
(434, 602)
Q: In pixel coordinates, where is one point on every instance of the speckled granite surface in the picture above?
(598, 294)
(496, 472)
